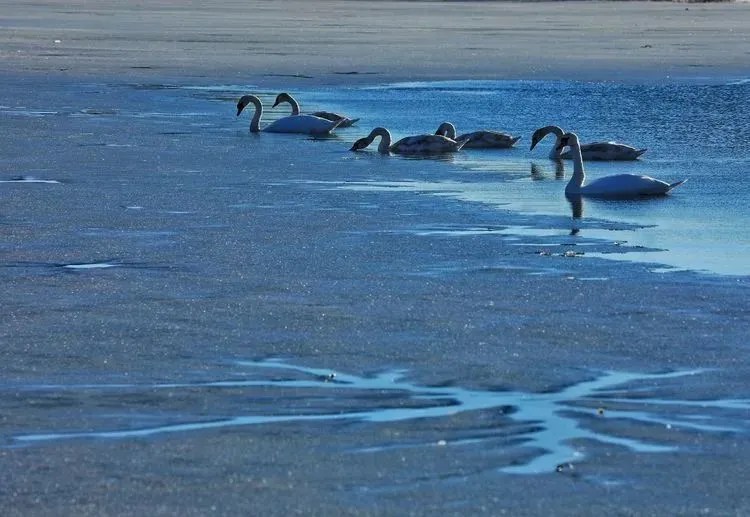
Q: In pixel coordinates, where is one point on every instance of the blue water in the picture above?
(693, 132)
(147, 236)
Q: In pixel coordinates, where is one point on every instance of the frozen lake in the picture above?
(355, 328)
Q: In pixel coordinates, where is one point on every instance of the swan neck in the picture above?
(385, 139)
(255, 121)
(557, 150)
(447, 129)
(295, 105)
(579, 176)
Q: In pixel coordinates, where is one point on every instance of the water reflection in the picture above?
(539, 172)
(576, 207)
(443, 157)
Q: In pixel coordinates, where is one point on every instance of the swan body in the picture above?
(344, 121)
(622, 186)
(602, 151)
(419, 144)
(306, 124)
(479, 139)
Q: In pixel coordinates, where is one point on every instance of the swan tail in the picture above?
(514, 140)
(349, 122)
(676, 184)
(333, 124)
(640, 152)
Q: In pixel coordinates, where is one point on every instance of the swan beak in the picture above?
(240, 106)
(534, 141)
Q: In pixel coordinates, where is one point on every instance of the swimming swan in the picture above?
(602, 151)
(479, 139)
(294, 124)
(622, 186)
(419, 144)
(285, 97)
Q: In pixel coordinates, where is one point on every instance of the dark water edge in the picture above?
(185, 277)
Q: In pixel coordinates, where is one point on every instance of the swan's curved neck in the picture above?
(447, 129)
(255, 122)
(385, 139)
(295, 105)
(579, 176)
(556, 151)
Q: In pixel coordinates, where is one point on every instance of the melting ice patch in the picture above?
(28, 179)
(546, 423)
(92, 265)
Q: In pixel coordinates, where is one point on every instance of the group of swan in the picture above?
(418, 144)
(445, 141)
(318, 123)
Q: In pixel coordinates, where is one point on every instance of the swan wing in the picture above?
(608, 151)
(430, 144)
(344, 121)
(627, 186)
(307, 124)
(488, 140)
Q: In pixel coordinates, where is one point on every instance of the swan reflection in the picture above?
(538, 171)
(576, 207)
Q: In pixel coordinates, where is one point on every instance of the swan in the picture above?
(617, 186)
(285, 97)
(419, 144)
(293, 124)
(479, 139)
(603, 151)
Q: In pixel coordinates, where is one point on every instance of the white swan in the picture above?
(622, 186)
(479, 139)
(285, 97)
(603, 151)
(419, 144)
(306, 124)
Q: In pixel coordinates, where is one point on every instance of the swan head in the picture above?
(540, 133)
(245, 100)
(282, 97)
(360, 144)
